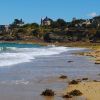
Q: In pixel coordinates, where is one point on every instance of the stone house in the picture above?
(46, 21)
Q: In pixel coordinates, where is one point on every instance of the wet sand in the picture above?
(26, 81)
(90, 89)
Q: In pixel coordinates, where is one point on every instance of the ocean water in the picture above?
(13, 53)
(26, 70)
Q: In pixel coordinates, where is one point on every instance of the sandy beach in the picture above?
(90, 90)
(27, 80)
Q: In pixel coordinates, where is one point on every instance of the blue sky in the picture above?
(33, 10)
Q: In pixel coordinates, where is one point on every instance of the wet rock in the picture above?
(67, 96)
(48, 92)
(97, 62)
(63, 77)
(84, 78)
(70, 61)
(75, 93)
(74, 82)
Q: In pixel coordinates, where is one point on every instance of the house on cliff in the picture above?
(4, 28)
(46, 21)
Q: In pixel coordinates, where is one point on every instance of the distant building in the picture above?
(87, 22)
(46, 21)
(4, 28)
(21, 22)
(18, 22)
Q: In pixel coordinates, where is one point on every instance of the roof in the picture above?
(46, 19)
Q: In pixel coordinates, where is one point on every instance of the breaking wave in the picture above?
(10, 55)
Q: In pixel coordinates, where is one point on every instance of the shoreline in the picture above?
(94, 47)
(90, 89)
(80, 86)
(70, 44)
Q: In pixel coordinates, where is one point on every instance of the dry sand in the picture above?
(90, 90)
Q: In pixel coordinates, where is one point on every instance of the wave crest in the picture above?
(14, 55)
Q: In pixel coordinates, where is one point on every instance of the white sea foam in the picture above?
(23, 82)
(13, 55)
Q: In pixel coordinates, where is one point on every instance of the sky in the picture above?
(34, 10)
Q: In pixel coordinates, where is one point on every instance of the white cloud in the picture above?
(93, 14)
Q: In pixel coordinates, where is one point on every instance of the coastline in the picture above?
(90, 89)
(36, 76)
(69, 44)
(94, 47)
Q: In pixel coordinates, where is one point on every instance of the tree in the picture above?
(31, 26)
(35, 25)
(59, 23)
(17, 23)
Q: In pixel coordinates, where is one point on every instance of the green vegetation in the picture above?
(58, 31)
